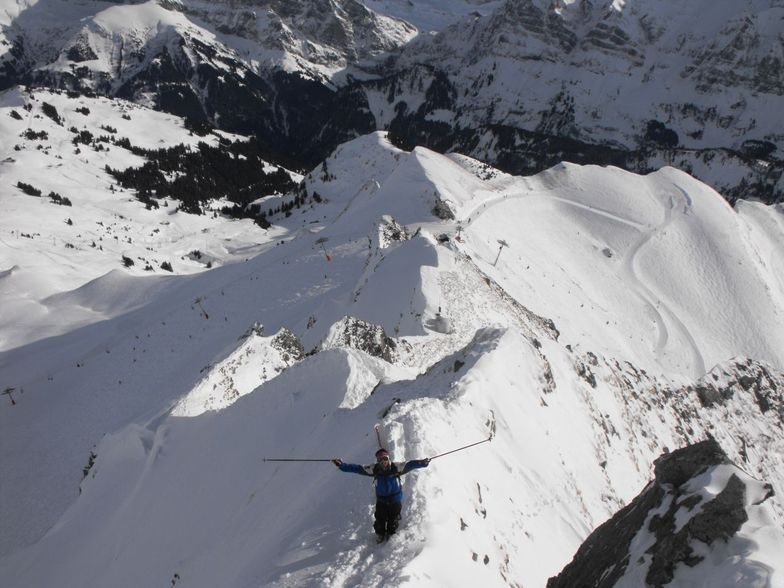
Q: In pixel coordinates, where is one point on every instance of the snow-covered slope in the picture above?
(663, 248)
(316, 38)
(572, 315)
(259, 68)
(51, 246)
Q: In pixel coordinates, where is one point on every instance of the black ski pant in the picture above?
(387, 516)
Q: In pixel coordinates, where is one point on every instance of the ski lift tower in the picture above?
(320, 241)
(8, 392)
(502, 244)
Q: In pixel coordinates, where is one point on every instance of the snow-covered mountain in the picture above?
(66, 220)
(432, 15)
(521, 85)
(638, 84)
(265, 68)
(105, 44)
(180, 305)
(587, 318)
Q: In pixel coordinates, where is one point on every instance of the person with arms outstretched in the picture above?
(389, 492)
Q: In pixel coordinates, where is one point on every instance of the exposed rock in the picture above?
(255, 329)
(255, 360)
(358, 334)
(680, 466)
(443, 211)
(329, 33)
(657, 531)
(390, 231)
(558, 121)
(289, 346)
(743, 377)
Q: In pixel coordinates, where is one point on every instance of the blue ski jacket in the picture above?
(388, 488)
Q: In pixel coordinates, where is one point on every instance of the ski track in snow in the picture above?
(660, 312)
(760, 263)
(470, 217)
(655, 305)
(602, 212)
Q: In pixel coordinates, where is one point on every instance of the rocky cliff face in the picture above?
(703, 516)
(261, 68)
(638, 86)
(319, 37)
(525, 86)
(696, 506)
(358, 334)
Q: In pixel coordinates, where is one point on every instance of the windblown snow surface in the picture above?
(570, 314)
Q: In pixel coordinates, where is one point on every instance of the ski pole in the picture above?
(490, 438)
(292, 459)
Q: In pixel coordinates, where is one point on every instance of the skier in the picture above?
(389, 493)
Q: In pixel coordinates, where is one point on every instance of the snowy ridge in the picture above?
(432, 15)
(582, 341)
(645, 245)
(509, 525)
(256, 360)
(316, 39)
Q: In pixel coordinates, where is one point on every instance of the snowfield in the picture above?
(46, 256)
(572, 315)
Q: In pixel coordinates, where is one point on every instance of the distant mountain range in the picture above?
(521, 84)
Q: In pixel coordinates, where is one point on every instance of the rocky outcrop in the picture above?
(390, 231)
(697, 501)
(289, 103)
(288, 345)
(358, 334)
(744, 379)
(255, 360)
